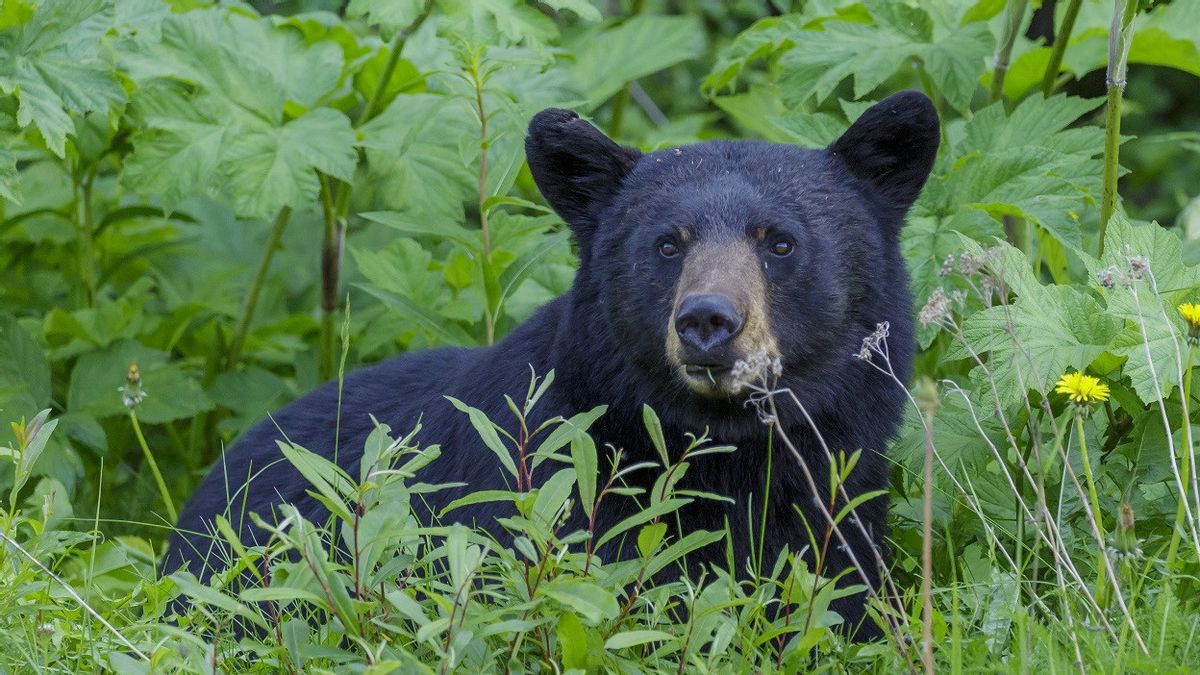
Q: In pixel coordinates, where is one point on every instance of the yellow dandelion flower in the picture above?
(1082, 389)
(1191, 314)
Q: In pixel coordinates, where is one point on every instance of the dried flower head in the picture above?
(1107, 277)
(1191, 315)
(1138, 266)
(1082, 390)
(936, 310)
(876, 342)
(757, 368)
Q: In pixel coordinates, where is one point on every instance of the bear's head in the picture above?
(699, 256)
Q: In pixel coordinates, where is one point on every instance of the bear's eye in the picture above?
(782, 248)
(668, 249)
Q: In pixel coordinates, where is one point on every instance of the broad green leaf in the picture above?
(24, 372)
(272, 167)
(444, 330)
(481, 20)
(592, 602)
(171, 393)
(1044, 332)
(390, 14)
(601, 67)
(413, 161)
(56, 65)
(1153, 336)
(869, 53)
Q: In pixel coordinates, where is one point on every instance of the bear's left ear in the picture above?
(577, 168)
(892, 146)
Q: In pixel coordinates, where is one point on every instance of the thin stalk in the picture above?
(929, 403)
(1061, 37)
(87, 236)
(1094, 501)
(1016, 13)
(1185, 464)
(336, 199)
(260, 276)
(485, 262)
(1120, 35)
(621, 100)
(158, 478)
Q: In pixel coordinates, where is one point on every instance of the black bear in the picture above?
(691, 260)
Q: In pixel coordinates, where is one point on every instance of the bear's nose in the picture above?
(706, 323)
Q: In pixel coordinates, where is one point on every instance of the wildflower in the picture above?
(132, 393)
(1138, 266)
(876, 342)
(1107, 277)
(1082, 390)
(756, 368)
(936, 310)
(1191, 315)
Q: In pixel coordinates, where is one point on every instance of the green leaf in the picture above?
(869, 53)
(56, 65)
(171, 393)
(487, 433)
(413, 157)
(24, 371)
(601, 65)
(272, 167)
(481, 20)
(583, 457)
(444, 330)
(324, 476)
(1153, 336)
(633, 638)
(654, 427)
(593, 603)
(1038, 337)
(390, 14)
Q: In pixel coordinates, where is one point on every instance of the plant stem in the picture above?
(260, 276)
(1120, 35)
(1016, 13)
(485, 262)
(621, 100)
(1185, 463)
(1061, 37)
(1094, 501)
(158, 478)
(336, 200)
(87, 236)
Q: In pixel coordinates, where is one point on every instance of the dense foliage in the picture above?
(207, 209)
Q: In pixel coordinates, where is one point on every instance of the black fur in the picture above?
(843, 207)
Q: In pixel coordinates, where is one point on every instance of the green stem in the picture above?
(1185, 463)
(162, 485)
(1094, 501)
(1016, 13)
(621, 100)
(489, 308)
(260, 275)
(1119, 38)
(336, 200)
(1061, 38)
(87, 236)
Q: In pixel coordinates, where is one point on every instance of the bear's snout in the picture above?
(707, 323)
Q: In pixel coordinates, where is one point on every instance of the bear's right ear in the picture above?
(577, 168)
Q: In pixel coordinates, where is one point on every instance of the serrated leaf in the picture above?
(601, 67)
(272, 167)
(870, 53)
(55, 65)
(1037, 337)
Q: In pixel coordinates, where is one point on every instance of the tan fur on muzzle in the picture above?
(732, 269)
